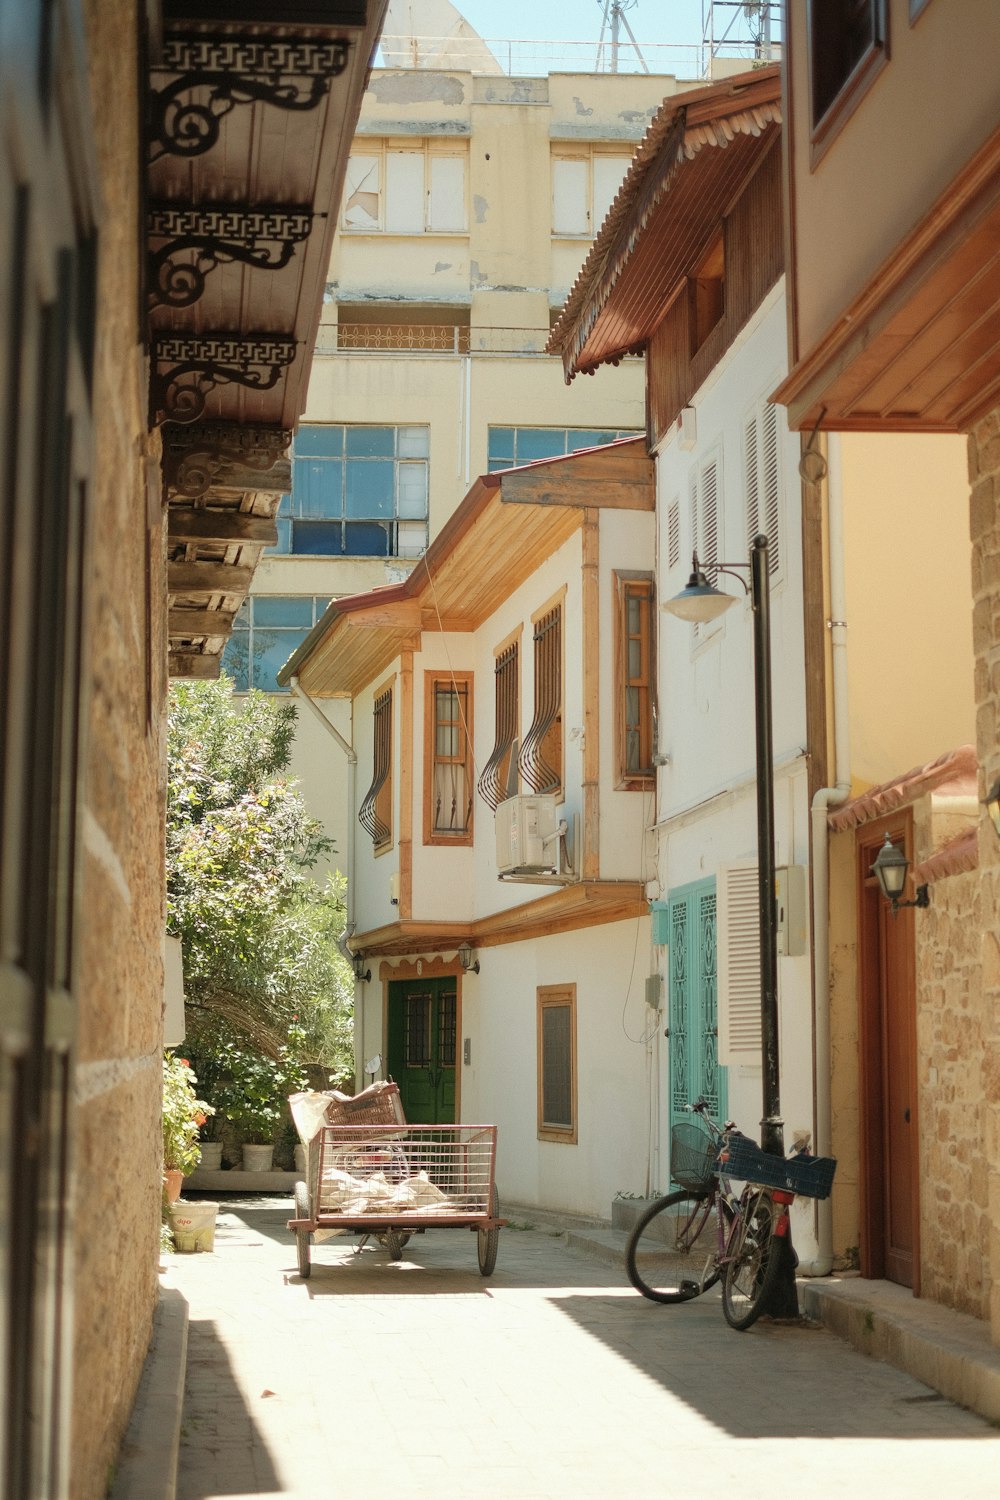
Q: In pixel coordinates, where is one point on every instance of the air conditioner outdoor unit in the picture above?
(527, 836)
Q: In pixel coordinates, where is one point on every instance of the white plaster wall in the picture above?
(373, 872)
(707, 793)
(707, 690)
(616, 1044)
(628, 544)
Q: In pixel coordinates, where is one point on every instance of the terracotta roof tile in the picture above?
(955, 772)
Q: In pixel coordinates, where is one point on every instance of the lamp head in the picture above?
(700, 601)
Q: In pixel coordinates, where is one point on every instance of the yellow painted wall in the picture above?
(931, 107)
(907, 561)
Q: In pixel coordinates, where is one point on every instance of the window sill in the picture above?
(559, 1137)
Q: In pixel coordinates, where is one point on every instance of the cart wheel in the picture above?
(394, 1240)
(487, 1241)
(303, 1239)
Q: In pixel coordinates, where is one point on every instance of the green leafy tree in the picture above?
(259, 932)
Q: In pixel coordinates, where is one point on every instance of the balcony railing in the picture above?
(431, 338)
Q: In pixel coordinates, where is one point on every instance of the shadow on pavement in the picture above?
(777, 1380)
(217, 1425)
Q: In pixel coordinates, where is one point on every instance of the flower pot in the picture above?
(211, 1156)
(257, 1158)
(300, 1160)
(173, 1179)
(193, 1226)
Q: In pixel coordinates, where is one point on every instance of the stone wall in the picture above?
(954, 1209)
(121, 909)
(984, 477)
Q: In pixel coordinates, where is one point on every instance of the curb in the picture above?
(147, 1460)
(949, 1351)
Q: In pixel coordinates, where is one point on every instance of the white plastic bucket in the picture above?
(257, 1158)
(193, 1225)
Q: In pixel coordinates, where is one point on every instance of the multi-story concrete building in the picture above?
(471, 201)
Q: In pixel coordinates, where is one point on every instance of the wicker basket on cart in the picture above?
(379, 1104)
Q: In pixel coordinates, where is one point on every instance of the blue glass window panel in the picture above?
(285, 505)
(235, 660)
(500, 448)
(496, 464)
(317, 488)
(241, 620)
(539, 442)
(365, 539)
(271, 649)
(371, 442)
(319, 442)
(589, 439)
(284, 542)
(322, 605)
(370, 488)
(317, 538)
(276, 609)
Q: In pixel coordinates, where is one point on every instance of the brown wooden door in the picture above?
(888, 1078)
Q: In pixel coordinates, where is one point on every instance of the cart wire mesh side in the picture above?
(378, 1173)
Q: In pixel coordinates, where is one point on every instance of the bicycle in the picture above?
(687, 1240)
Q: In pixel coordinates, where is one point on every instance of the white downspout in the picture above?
(352, 768)
(825, 798)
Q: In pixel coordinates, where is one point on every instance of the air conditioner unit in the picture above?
(527, 836)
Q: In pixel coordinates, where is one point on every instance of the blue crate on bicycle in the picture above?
(806, 1176)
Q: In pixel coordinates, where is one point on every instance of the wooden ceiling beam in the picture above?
(186, 623)
(186, 524)
(208, 578)
(193, 664)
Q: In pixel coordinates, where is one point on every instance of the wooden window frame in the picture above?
(825, 127)
(428, 148)
(544, 743)
(493, 782)
(552, 997)
(628, 586)
(375, 813)
(707, 292)
(460, 683)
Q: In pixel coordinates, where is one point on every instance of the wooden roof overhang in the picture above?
(250, 114)
(684, 176)
(586, 903)
(505, 527)
(918, 350)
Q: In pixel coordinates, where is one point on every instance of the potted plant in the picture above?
(183, 1116)
(251, 1090)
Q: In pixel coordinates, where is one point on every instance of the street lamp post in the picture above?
(700, 601)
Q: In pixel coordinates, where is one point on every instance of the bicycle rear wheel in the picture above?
(673, 1251)
(752, 1267)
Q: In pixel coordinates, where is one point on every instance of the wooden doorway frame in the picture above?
(871, 1049)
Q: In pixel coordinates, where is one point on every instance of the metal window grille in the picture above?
(494, 783)
(557, 1066)
(417, 1031)
(375, 813)
(447, 1029)
(540, 761)
(452, 779)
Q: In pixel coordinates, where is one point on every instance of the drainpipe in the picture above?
(352, 769)
(825, 798)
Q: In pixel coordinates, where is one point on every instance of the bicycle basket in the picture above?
(692, 1157)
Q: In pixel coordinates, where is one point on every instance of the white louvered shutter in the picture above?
(739, 964)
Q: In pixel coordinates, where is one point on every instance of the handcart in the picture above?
(372, 1174)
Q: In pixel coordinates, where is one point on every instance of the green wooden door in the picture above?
(693, 1002)
(423, 1015)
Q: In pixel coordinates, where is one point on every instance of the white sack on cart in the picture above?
(309, 1113)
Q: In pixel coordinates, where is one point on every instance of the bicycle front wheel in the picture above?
(673, 1251)
(752, 1260)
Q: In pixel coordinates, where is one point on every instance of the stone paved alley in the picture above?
(550, 1379)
